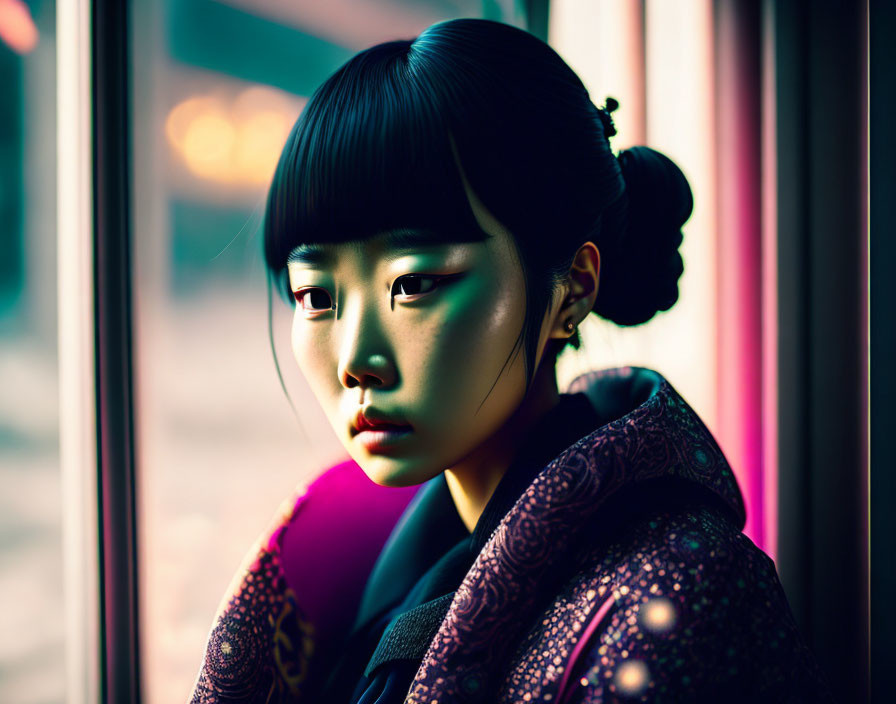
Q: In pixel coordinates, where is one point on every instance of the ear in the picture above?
(582, 284)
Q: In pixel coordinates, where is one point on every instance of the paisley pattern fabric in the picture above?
(596, 586)
(261, 644)
(661, 437)
(695, 614)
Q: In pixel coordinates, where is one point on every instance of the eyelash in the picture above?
(438, 281)
(298, 295)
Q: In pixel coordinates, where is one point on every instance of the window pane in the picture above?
(32, 658)
(219, 447)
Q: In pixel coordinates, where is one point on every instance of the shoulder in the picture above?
(288, 598)
(693, 609)
(677, 605)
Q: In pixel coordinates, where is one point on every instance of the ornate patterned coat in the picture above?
(621, 574)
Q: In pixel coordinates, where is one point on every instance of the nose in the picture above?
(368, 372)
(364, 360)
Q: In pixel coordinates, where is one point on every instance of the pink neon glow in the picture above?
(740, 330)
(16, 26)
(629, 18)
(769, 289)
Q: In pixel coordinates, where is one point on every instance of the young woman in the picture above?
(445, 212)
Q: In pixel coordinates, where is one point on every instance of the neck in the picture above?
(473, 481)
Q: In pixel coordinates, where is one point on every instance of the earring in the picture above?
(569, 326)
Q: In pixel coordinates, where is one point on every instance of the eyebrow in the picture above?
(397, 242)
(312, 254)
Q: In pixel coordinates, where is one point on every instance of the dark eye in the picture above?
(313, 299)
(415, 285)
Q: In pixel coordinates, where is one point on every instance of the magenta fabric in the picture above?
(329, 547)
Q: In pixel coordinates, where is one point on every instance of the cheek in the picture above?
(456, 360)
(315, 362)
(477, 335)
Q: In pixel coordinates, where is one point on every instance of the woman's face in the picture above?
(405, 344)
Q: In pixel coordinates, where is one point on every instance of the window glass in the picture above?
(655, 59)
(217, 86)
(32, 658)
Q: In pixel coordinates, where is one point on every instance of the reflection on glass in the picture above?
(32, 660)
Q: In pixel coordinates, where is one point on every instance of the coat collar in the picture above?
(431, 527)
(654, 435)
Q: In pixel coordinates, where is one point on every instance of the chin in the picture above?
(395, 473)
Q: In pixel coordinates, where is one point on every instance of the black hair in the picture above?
(378, 145)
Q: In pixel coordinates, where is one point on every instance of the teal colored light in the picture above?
(209, 241)
(224, 39)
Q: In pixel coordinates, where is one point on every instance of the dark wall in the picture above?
(882, 79)
(822, 202)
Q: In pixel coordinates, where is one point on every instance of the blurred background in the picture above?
(145, 441)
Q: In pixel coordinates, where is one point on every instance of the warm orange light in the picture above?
(16, 26)
(259, 141)
(236, 141)
(208, 145)
(183, 114)
(260, 98)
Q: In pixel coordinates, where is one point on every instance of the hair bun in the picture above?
(641, 265)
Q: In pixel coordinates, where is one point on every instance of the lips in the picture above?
(373, 419)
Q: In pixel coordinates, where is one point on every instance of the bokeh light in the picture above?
(658, 615)
(632, 677)
(17, 27)
(234, 139)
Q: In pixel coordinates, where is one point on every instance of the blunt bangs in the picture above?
(384, 143)
(370, 154)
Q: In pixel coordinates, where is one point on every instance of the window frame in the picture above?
(95, 361)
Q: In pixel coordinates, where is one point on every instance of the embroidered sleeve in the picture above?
(260, 646)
